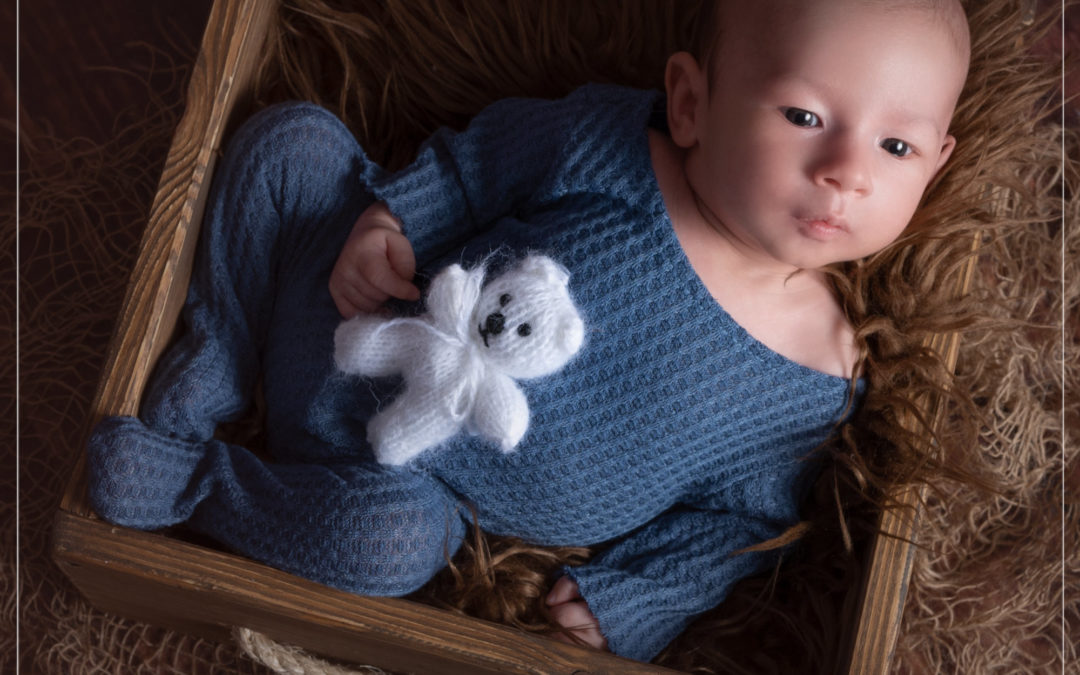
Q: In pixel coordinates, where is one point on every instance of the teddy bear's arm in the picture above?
(500, 411)
(371, 345)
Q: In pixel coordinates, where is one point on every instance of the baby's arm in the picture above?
(375, 264)
(513, 153)
(646, 588)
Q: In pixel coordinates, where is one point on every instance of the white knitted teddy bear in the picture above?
(460, 359)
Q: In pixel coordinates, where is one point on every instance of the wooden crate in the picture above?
(162, 580)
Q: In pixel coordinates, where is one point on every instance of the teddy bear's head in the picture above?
(525, 323)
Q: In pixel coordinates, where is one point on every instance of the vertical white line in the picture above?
(18, 185)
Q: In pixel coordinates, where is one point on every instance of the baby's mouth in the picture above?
(823, 226)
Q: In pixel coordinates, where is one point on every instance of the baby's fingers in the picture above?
(403, 261)
(387, 282)
(351, 292)
(345, 307)
(344, 296)
(356, 298)
(392, 272)
(576, 618)
(564, 590)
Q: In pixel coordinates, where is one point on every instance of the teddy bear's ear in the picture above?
(546, 268)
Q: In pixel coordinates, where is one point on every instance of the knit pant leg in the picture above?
(284, 196)
(351, 525)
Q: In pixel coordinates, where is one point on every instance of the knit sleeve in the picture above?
(462, 181)
(648, 587)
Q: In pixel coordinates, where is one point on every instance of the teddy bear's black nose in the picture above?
(494, 323)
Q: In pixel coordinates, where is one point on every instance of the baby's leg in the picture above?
(287, 192)
(351, 525)
(280, 208)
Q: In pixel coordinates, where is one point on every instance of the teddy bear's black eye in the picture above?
(504, 300)
(524, 329)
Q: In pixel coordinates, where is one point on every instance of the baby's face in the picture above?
(816, 145)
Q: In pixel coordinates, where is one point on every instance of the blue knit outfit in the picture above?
(673, 438)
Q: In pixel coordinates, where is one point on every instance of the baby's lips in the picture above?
(827, 219)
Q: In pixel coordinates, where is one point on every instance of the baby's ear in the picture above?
(686, 89)
(545, 268)
(947, 147)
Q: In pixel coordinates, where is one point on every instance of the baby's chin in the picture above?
(804, 263)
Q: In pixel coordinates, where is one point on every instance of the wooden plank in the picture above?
(229, 53)
(190, 588)
(885, 583)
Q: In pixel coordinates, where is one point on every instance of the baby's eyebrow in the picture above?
(918, 120)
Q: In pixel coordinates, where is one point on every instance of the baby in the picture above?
(694, 229)
(779, 159)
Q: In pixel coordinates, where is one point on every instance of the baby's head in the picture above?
(811, 129)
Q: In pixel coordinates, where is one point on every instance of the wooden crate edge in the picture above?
(184, 586)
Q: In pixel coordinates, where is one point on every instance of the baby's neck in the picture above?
(791, 311)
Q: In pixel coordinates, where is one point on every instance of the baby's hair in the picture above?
(948, 13)
(708, 30)
(706, 36)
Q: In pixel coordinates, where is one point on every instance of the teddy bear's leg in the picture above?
(416, 420)
(284, 196)
(351, 525)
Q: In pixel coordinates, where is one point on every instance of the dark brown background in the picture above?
(83, 63)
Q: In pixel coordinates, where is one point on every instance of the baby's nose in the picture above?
(494, 323)
(845, 166)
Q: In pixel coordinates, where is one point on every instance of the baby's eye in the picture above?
(801, 118)
(897, 147)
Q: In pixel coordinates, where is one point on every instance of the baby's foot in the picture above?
(139, 477)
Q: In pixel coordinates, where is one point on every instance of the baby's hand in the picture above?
(376, 263)
(572, 613)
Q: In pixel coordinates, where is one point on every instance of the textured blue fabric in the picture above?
(674, 438)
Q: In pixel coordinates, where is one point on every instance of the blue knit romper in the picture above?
(671, 440)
